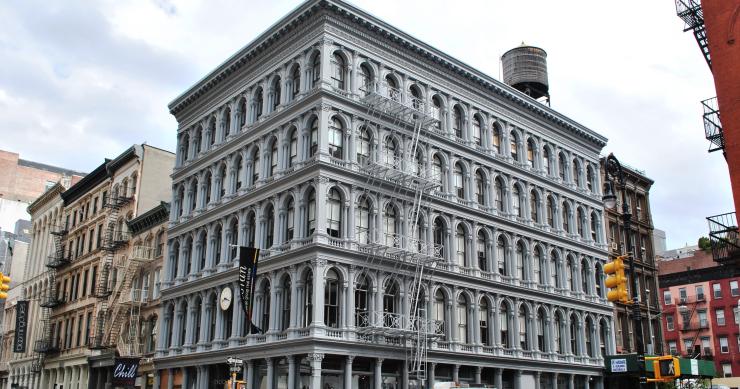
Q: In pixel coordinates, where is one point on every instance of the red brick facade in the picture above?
(25, 181)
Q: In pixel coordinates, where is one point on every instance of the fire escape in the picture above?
(412, 257)
(50, 299)
(688, 308)
(692, 15)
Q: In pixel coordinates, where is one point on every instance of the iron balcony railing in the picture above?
(693, 16)
(723, 238)
(713, 126)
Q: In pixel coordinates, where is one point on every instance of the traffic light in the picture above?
(616, 281)
(4, 285)
(666, 367)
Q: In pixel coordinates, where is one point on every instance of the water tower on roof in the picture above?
(525, 68)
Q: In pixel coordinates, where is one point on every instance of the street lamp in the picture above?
(613, 172)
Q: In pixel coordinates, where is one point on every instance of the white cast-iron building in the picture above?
(350, 153)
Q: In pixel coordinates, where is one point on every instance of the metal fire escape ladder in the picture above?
(114, 239)
(411, 255)
(691, 13)
(50, 299)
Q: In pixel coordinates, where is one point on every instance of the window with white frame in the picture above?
(719, 314)
(724, 346)
(726, 370)
(734, 291)
(669, 322)
(717, 291)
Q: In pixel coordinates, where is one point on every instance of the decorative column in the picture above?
(431, 380)
(291, 371)
(456, 373)
(347, 372)
(498, 377)
(170, 378)
(250, 374)
(378, 374)
(478, 373)
(518, 379)
(270, 373)
(315, 361)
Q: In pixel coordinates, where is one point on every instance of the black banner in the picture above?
(125, 371)
(21, 325)
(248, 258)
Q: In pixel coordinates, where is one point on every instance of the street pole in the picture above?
(650, 324)
(614, 168)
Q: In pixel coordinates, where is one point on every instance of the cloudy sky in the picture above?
(83, 80)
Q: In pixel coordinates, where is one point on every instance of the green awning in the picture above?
(626, 364)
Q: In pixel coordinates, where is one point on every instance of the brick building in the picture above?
(699, 300)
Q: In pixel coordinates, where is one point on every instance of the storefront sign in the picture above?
(619, 365)
(21, 324)
(124, 371)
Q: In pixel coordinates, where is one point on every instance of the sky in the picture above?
(81, 81)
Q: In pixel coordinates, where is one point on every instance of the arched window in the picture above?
(232, 240)
(285, 304)
(438, 171)
(437, 109)
(483, 313)
(520, 261)
(534, 206)
(480, 188)
(362, 302)
(480, 244)
(576, 176)
(439, 232)
(363, 146)
(290, 220)
(541, 320)
(334, 214)
(308, 299)
(222, 181)
(202, 250)
(315, 70)
(276, 93)
(603, 335)
(496, 138)
(390, 305)
(439, 310)
(590, 179)
(366, 79)
(311, 213)
(255, 166)
(477, 135)
(457, 121)
(594, 226)
(264, 316)
(598, 279)
(458, 180)
(557, 327)
(566, 217)
(218, 236)
(554, 269)
(336, 136)
(502, 254)
(392, 88)
(242, 112)
(530, 153)
(585, 274)
(227, 122)
(516, 201)
(293, 148)
(461, 249)
(269, 227)
(196, 321)
(258, 104)
(546, 161)
(337, 75)
(212, 131)
(580, 219)
(504, 325)
(362, 220)
(239, 172)
(561, 166)
(551, 211)
(391, 153)
(538, 266)
(569, 275)
(212, 317)
(296, 82)
(514, 145)
(175, 260)
(462, 320)
(499, 188)
(391, 226)
(416, 97)
(573, 335)
(251, 229)
(331, 299)
(313, 137)
(523, 338)
(273, 158)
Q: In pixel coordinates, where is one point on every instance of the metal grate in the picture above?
(723, 235)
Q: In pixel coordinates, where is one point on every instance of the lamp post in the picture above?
(613, 172)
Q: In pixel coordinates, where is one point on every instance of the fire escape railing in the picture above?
(713, 125)
(723, 236)
(691, 13)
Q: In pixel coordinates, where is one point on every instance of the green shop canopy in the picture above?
(626, 365)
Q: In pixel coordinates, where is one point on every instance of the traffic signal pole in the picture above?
(614, 170)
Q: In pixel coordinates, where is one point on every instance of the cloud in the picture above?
(82, 81)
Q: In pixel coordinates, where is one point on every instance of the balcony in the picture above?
(115, 240)
(723, 234)
(57, 260)
(693, 16)
(45, 346)
(713, 126)
(51, 301)
(95, 342)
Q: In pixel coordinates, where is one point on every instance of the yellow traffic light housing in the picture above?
(616, 280)
(4, 285)
(665, 367)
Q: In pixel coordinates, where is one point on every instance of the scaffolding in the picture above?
(693, 17)
(412, 257)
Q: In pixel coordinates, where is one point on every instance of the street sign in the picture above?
(234, 361)
(619, 365)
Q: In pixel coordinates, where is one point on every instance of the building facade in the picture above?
(701, 318)
(285, 147)
(642, 240)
